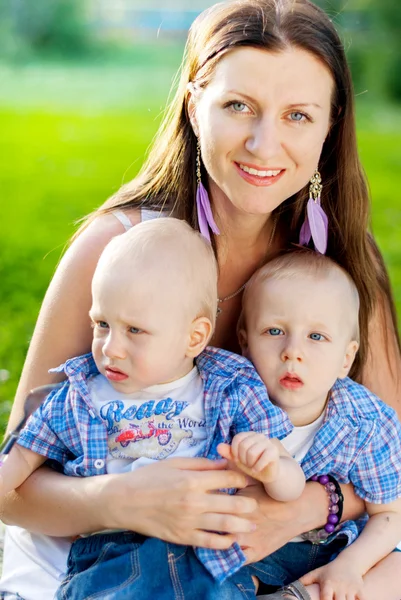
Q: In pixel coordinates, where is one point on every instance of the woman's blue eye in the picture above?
(102, 324)
(274, 331)
(238, 106)
(318, 337)
(297, 116)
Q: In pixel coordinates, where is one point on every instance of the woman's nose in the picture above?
(264, 140)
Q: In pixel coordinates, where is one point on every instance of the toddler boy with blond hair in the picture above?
(299, 327)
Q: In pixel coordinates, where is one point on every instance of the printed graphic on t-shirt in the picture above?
(133, 435)
(152, 424)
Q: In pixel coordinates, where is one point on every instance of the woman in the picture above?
(266, 97)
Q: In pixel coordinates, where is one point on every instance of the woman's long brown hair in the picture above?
(167, 179)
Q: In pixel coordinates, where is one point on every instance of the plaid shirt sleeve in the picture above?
(256, 413)
(39, 433)
(376, 470)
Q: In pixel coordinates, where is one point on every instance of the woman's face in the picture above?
(262, 122)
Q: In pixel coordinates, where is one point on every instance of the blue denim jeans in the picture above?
(291, 562)
(123, 566)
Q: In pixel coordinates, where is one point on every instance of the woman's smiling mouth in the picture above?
(258, 177)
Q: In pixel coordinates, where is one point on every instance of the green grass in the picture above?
(71, 135)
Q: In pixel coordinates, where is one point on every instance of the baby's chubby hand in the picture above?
(337, 580)
(254, 454)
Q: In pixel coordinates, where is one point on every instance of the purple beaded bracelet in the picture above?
(336, 499)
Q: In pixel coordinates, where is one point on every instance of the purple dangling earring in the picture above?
(203, 208)
(315, 225)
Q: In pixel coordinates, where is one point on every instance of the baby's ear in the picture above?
(201, 332)
(349, 358)
(243, 340)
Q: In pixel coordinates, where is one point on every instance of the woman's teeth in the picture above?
(259, 173)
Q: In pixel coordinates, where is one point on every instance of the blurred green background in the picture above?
(83, 85)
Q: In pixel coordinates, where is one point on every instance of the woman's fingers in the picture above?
(195, 464)
(225, 523)
(200, 477)
(211, 481)
(178, 499)
(210, 539)
(232, 505)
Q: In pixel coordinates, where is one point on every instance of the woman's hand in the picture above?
(278, 522)
(174, 500)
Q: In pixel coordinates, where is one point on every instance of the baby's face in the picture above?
(141, 330)
(298, 337)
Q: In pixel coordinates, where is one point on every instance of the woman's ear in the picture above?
(243, 341)
(349, 358)
(200, 334)
(191, 109)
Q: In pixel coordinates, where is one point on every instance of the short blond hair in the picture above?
(173, 245)
(306, 263)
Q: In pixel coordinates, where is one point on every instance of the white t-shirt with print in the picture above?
(156, 423)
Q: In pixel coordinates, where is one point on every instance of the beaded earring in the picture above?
(203, 208)
(315, 225)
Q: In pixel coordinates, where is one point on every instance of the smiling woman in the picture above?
(258, 130)
(264, 101)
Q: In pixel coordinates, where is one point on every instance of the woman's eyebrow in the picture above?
(238, 93)
(292, 105)
(304, 104)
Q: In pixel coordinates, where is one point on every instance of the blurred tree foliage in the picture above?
(371, 30)
(42, 27)
(388, 20)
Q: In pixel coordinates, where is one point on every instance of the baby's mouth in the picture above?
(114, 374)
(291, 381)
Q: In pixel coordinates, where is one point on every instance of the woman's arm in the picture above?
(62, 331)
(63, 326)
(57, 505)
(279, 522)
(382, 373)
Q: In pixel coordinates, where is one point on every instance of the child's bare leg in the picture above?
(383, 582)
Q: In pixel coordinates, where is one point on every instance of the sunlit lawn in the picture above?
(71, 135)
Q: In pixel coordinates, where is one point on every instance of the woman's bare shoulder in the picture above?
(104, 227)
(63, 326)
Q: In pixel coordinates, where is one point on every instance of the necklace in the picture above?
(241, 289)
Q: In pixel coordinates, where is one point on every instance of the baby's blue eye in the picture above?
(274, 331)
(318, 337)
(134, 330)
(102, 324)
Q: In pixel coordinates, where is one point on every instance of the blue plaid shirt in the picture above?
(359, 442)
(67, 429)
